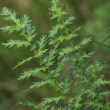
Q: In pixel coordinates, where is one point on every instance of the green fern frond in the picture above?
(16, 43)
(52, 108)
(11, 16)
(55, 30)
(97, 66)
(25, 21)
(31, 72)
(27, 103)
(62, 38)
(77, 101)
(33, 47)
(95, 104)
(66, 84)
(28, 32)
(49, 58)
(100, 82)
(57, 72)
(84, 55)
(42, 44)
(38, 84)
(50, 100)
(24, 61)
(90, 94)
(57, 12)
(86, 41)
(68, 50)
(64, 51)
(69, 20)
(104, 93)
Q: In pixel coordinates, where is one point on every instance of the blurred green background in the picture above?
(92, 15)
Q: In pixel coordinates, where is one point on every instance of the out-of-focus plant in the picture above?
(98, 27)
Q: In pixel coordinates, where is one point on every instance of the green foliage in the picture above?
(18, 23)
(90, 95)
(99, 28)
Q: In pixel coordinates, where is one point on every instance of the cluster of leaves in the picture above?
(90, 94)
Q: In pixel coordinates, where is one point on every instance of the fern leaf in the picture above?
(55, 30)
(10, 29)
(69, 20)
(57, 12)
(38, 84)
(49, 100)
(59, 85)
(24, 61)
(42, 44)
(95, 104)
(82, 57)
(100, 82)
(97, 66)
(86, 41)
(27, 103)
(78, 99)
(41, 52)
(25, 21)
(67, 50)
(31, 72)
(55, 73)
(62, 38)
(104, 93)
(52, 108)
(11, 16)
(67, 82)
(28, 32)
(89, 92)
(16, 43)
(51, 56)
(64, 51)
(34, 46)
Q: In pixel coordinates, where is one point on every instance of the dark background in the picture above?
(92, 15)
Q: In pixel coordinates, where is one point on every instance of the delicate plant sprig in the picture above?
(90, 94)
